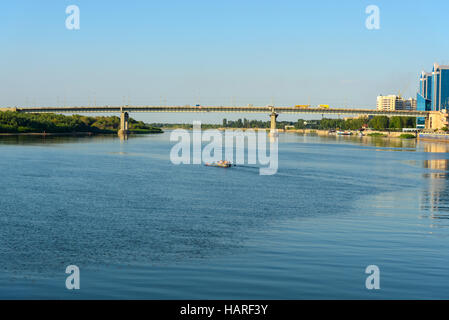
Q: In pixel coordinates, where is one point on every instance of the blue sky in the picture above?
(216, 52)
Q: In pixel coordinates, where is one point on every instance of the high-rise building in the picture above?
(425, 85)
(389, 103)
(410, 104)
(440, 87)
(394, 102)
(433, 92)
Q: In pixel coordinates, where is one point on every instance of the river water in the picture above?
(139, 227)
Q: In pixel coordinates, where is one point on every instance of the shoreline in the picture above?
(434, 137)
(320, 132)
(383, 134)
(43, 134)
(75, 134)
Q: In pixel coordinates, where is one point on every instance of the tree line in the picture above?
(376, 123)
(16, 122)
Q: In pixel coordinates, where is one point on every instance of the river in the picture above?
(139, 227)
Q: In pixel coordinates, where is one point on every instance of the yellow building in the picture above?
(437, 120)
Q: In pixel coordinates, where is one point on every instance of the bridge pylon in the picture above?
(273, 116)
(124, 123)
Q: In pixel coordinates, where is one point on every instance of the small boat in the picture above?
(344, 133)
(221, 164)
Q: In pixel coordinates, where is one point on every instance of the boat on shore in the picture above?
(220, 164)
(344, 133)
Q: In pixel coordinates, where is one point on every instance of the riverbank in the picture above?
(439, 137)
(368, 133)
(434, 137)
(56, 124)
(77, 134)
(319, 132)
(49, 134)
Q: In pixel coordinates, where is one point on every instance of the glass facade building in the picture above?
(440, 87)
(433, 92)
(434, 86)
(425, 85)
(422, 104)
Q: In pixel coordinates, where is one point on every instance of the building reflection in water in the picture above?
(435, 199)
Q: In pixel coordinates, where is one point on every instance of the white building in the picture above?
(394, 102)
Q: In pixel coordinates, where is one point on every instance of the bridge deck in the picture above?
(268, 109)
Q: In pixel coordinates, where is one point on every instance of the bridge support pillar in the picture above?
(124, 123)
(273, 117)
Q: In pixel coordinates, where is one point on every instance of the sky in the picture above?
(216, 52)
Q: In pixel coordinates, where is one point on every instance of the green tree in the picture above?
(395, 123)
(300, 124)
(379, 122)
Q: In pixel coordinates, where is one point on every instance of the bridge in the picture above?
(246, 109)
(271, 110)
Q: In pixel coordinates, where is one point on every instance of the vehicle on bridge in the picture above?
(323, 106)
(302, 106)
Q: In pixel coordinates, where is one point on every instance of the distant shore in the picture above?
(436, 137)
(320, 132)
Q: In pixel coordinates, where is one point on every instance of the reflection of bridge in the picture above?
(273, 111)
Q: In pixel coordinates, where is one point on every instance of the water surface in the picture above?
(140, 227)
